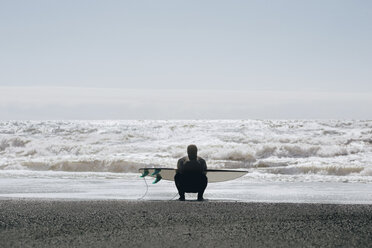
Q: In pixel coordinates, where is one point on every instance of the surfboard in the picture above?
(213, 176)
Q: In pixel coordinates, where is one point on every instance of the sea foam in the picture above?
(282, 148)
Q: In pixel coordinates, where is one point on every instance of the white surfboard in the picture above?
(213, 176)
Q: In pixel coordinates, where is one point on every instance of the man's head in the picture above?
(192, 151)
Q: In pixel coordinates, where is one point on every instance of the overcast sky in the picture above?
(185, 59)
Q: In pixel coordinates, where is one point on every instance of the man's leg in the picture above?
(178, 181)
(203, 186)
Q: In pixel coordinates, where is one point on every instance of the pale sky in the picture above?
(185, 59)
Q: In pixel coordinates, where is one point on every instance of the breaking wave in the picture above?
(283, 147)
(321, 170)
(120, 166)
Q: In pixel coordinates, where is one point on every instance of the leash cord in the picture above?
(147, 189)
(174, 196)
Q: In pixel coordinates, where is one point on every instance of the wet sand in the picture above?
(46, 223)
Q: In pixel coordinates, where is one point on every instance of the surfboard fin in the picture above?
(145, 172)
(157, 171)
(157, 179)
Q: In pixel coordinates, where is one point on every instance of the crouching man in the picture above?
(191, 174)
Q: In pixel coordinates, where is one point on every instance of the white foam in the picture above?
(341, 149)
(127, 186)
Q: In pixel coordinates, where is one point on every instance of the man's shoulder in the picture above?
(182, 159)
(200, 159)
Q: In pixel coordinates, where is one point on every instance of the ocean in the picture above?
(287, 160)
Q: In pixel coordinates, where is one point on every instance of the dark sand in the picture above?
(43, 223)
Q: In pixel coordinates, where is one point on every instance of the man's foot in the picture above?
(200, 196)
(182, 198)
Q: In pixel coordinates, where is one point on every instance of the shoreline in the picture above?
(175, 199)
(97, 223)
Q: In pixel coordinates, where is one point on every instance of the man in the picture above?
(191, 174)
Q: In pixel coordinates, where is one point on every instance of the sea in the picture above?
(317, 161)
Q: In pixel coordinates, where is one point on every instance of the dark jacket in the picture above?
(193, 166)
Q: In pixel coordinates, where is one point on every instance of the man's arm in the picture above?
(179, 165)
(204, 165)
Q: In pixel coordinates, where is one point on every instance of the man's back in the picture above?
(193, 166)
(191, 174)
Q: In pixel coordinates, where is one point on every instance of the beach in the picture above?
(76, 184)
(118, 223)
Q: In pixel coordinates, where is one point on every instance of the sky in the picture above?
(185, 59)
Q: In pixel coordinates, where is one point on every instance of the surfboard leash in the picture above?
(174, 197)
(147, 189)
(157, 179)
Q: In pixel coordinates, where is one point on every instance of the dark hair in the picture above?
(192, 151)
